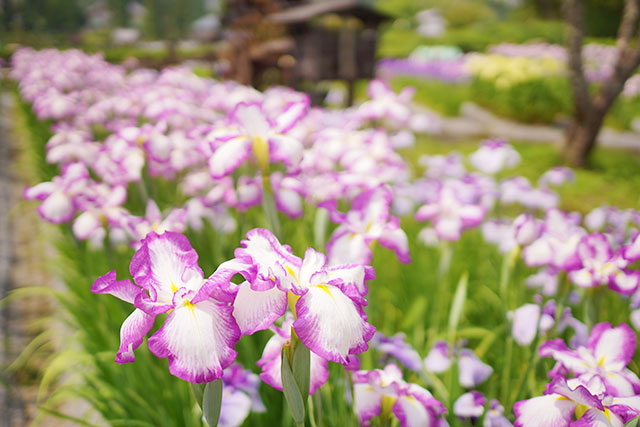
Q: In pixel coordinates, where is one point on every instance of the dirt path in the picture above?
(23, 252)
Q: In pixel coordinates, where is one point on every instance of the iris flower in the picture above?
(199, 333)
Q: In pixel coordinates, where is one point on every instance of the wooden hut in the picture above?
(333, 40)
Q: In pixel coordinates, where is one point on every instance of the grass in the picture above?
(444, 98)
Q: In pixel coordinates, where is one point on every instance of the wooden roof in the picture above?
(305, 12)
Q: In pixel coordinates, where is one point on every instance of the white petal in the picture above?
(330, 324)
(552, 410)
(257, 310)
(198, 340)
(366, 402)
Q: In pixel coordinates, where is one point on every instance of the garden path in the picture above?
(475, 121)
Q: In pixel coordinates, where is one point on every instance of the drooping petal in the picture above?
(625, 383)
(568, 358)
(43, 190)
(396, 346)
(229, 156)
(596, 418)
(121, 289)
(132, 332)
(330, 324)
(411, 412)
(417, 407)
(57, 208)
(257, 310)
(366, 402)
(198, 339)
(291, 114)
(626, 407)
(612, 346)
(234, 409)
(285, 149)
(552, 410)
(85, 224)
(438, 360)
(472, 371)
(396, 239)
(469, 405)
(525, 322)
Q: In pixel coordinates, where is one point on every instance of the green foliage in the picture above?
(399, 41)
(170, 19)
(445, 98)
(602, 17)
(623, 112)
(538, 100)
(119, 12)
(460, 13)
(51, 15)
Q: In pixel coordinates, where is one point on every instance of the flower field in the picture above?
(239, 257)
(525, 82)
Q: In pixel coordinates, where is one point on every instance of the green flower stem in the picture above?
(269, 207)
(506, 292)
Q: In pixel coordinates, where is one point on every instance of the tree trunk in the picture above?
(581, 138)
(589, 112)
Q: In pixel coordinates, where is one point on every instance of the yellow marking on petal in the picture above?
(273, 279)
(155, 226)
(607, 414)
(174, 288)
(580, 410)
(189, 305)
(290, 271)
(261, 151)
(292, 299)
(326, 289)
(601, 361)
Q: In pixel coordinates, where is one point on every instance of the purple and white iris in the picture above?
(383, 391)
(326, 301)
(199, 334)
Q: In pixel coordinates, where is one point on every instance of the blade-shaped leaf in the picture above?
(198, 392)
(457, 305)
(302, 369)
(211, 402)
(291, 390)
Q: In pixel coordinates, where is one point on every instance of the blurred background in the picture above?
(478, 60)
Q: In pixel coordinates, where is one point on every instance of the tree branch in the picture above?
(627, 61)
(628, 23)
(582, 101)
